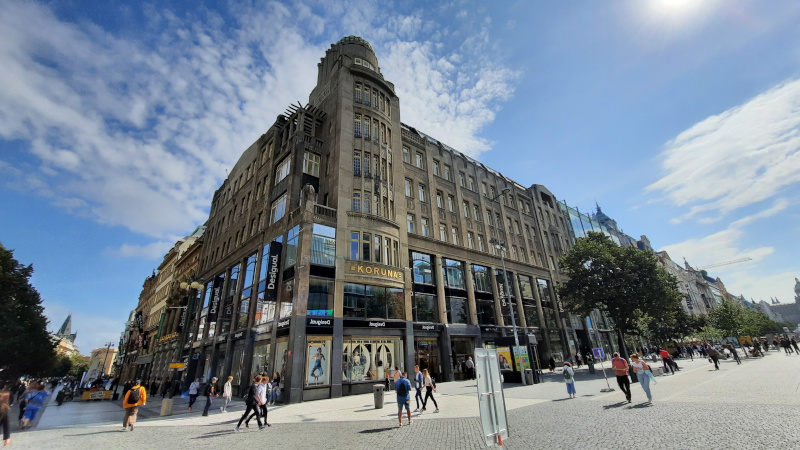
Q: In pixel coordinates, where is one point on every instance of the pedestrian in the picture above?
(552, 364)
(470, 364)
(569, 379)
(430, 388)
(210, 391)
(193, 392)
(735, 354)
(578, 360)
(22, 402)
(135, 397)
(645, 375)
(251, 402)
(775, 343)
(35, 403)
(713, 354)
(126, 387)
(665, 358)
(276, 388)
(261, 394)
(397, 374)
(5, 409)
(165, 387)
(418, 382)
(402, 388)
(621, 367)
(227, 393)
(794, 344)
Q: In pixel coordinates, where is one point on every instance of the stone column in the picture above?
(542, 323)
(473, 308)
(519, 315)
(440, 297)
(498, 305)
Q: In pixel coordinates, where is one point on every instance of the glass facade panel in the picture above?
(320, 297)
(485, 312)
(291, 247)
(373, 302)
(323, 245)
(422, 268)
(453, 274)
(457, 310)
(525, 289)
(481, 277)
(424, 307)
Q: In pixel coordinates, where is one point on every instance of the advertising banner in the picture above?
(521, 359)
(216, 298)
(504, 358)
(273, 268)
(318, 363)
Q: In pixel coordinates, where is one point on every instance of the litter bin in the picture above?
(529, 376)
(377, 391)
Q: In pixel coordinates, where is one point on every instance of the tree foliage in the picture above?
(79, 365)
(626, 283)
(26, 347)
(734, 319)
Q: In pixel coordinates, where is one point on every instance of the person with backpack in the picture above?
(403, 389)
(569, 378)
(261, 395)
(430, 388)
(135, 397)
(645, 375)
(713, 356)
(210, 390)
(418, 380)
(621, 367)
(251, 402)
(193, 387)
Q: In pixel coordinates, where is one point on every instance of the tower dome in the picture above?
(355, 40)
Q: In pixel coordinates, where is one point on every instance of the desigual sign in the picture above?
(375, 271)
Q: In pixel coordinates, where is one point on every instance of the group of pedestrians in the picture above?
(256, 401)
(402, 387)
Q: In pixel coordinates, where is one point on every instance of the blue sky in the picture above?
(680, 118)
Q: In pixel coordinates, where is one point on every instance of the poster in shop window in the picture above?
(504, 358)
(318, 363)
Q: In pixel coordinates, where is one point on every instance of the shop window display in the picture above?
(318, 362)
(260, 364)
(370, 359)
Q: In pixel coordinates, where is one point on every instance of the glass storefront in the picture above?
(281, 359)
(237, 369)
(426, 355)
(370, 359)
(260, 364)
(424, 307)
(373, 302)
(460, 349)
(457, 310)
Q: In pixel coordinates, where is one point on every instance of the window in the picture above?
(436, 168)
(462, 179)
(409, 193)
(357, 164)
(481, 246)
(451, 203)
(366, 95)
(357, 125)
(357, 93)
(421, 192)
(377, 248)
(447, 173)
(470, 240)
(425, 229)
(476, 214)
(323, 245)
(424, 307)
(354, 245)
(356, 201)
(278, 209)
(466, 209)
(422, 268)
(366, 245)
(471, 184)
(372, 302)
(418, 160)
(456, 310)
(366, 127)
(488, 217)
(528, 231)
(410, 221)
(516, 227)
(483, 189)
(406, 156)
(365, 204)
(439, 201)
(514, 252)
(454, 233)
(283, 170)
(320, 297)
(311, 164)
(508, 225)
(443, 233)
(482, 279)
(453, 273)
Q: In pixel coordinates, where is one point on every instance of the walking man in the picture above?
(417, 386)
(714, 355)
(794, 344)
(211, 390)
(470, 364)
(621, 366)
(665, 358)
(135, 397)
(193, 387)
(403, 389)
(251, 401)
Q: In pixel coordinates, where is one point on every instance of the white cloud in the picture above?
(154, 250)
(137, 131)
(740, 157)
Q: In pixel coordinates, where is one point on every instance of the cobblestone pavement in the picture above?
(751, 406)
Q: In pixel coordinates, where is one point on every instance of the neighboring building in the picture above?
(695, 290)
(101, 362)
(789, 312)
(65, 339)
(344, 243)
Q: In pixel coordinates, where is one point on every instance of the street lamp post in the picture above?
(501, 246)
(108, 349)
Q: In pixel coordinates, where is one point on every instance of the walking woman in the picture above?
(430, 388)
(251, 401)
(193, 392)
(227, 393)
(5, 407)
(569, 378)
(35, 403)
(639, 366)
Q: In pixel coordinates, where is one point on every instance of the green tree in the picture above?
(26, 347)
(728, 317)
(79, 365)
(626, 283)
(62, 366)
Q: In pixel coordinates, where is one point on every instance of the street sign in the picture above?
(491, 400)
(599, 353)
(177, 366)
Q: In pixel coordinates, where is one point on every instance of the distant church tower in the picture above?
(65, 332)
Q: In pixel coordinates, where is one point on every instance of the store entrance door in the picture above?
(426, 355)
(461, 348)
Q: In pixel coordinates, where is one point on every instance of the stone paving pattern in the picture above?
(751, 406)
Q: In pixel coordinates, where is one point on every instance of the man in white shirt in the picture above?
(470, 368)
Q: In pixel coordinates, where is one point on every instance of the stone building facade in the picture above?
(345, 243)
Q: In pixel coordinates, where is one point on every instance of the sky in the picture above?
(680, 118)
